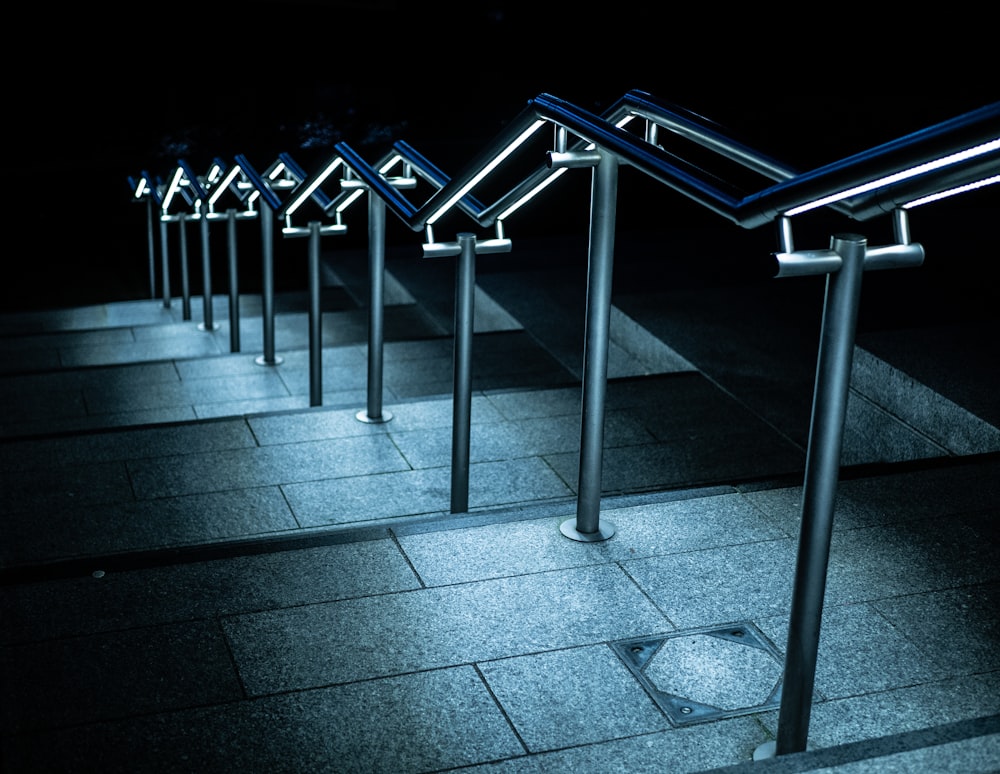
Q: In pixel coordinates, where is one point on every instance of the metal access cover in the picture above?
(707, 674)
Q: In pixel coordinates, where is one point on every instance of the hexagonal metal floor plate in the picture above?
(707, 674)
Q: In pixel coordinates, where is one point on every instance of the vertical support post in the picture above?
(826, 434)
(465, 286)
(234, 285)
(587, 526)
(165, 263)
(185, 284)
(208, 322)
(150, 241)
(376, 310)
(267, 288)
(315, 320)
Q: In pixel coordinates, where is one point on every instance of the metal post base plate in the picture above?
(362, 416)
(604, 531)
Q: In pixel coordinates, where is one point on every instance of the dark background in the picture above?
(101, 93)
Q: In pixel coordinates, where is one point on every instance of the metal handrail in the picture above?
(792, 190)
(698, 129)
(658, 114)
(590, 129)
(974, 128)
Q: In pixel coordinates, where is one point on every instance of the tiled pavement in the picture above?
(202, 573)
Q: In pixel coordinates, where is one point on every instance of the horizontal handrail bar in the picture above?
(239, 215)
(300, 231)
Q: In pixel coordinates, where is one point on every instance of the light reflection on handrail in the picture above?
(262, 187)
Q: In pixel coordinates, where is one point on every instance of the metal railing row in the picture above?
(690, 156)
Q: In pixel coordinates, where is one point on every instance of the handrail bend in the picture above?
(267, 195)
(978, 127)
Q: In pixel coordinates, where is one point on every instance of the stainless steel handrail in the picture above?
(701, 131)
(756, 209)
(793, 189)
(977, 128)
(790, 189)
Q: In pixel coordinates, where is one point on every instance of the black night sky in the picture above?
(104, 94)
